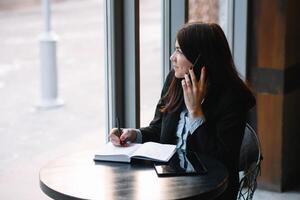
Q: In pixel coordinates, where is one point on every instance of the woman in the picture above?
(203, 103)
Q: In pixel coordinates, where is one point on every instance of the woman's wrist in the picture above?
(196, 113)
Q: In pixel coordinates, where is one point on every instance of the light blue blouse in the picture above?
(186, 126)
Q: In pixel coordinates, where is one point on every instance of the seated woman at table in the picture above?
(203, 102)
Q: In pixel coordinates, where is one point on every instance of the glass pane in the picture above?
(204, 10)
(216, 11)
(150, 58)
(29, 136)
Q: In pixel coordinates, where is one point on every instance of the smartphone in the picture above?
(197, 66)
(183, 163)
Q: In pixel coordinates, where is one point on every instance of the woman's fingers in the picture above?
(186, 91)
(125, 136)
(183, 83)
(193, 77)
(187, 81)
(114, 139)
(202, 80)
(184, 88)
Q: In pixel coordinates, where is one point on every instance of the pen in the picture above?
(119, 130)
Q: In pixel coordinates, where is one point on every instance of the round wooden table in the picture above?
(77, 176)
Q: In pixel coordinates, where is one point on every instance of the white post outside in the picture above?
(49, 94)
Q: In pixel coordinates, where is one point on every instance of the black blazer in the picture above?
(220, 136)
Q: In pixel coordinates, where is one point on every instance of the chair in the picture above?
(249, 166)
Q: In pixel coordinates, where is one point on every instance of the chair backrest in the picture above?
(249, 166)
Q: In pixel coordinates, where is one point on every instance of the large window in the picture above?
(150, 58)
(29, 136)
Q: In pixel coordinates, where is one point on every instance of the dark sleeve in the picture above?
(152, 132)
(222, 138)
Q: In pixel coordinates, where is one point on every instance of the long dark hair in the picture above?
(208, 42)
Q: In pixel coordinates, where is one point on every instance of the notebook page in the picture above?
(110, 149)
(155, 151)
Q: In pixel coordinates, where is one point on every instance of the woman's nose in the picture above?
(172, 57)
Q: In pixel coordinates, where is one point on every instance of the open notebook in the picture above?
(147, 151)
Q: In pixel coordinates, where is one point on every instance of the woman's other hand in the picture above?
(194, 92)
(126, 135)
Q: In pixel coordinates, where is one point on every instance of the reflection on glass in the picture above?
(213, 11)
(204, 10)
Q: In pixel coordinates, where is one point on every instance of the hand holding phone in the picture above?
(194, 92)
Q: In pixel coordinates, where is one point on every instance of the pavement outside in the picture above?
(31, 137)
